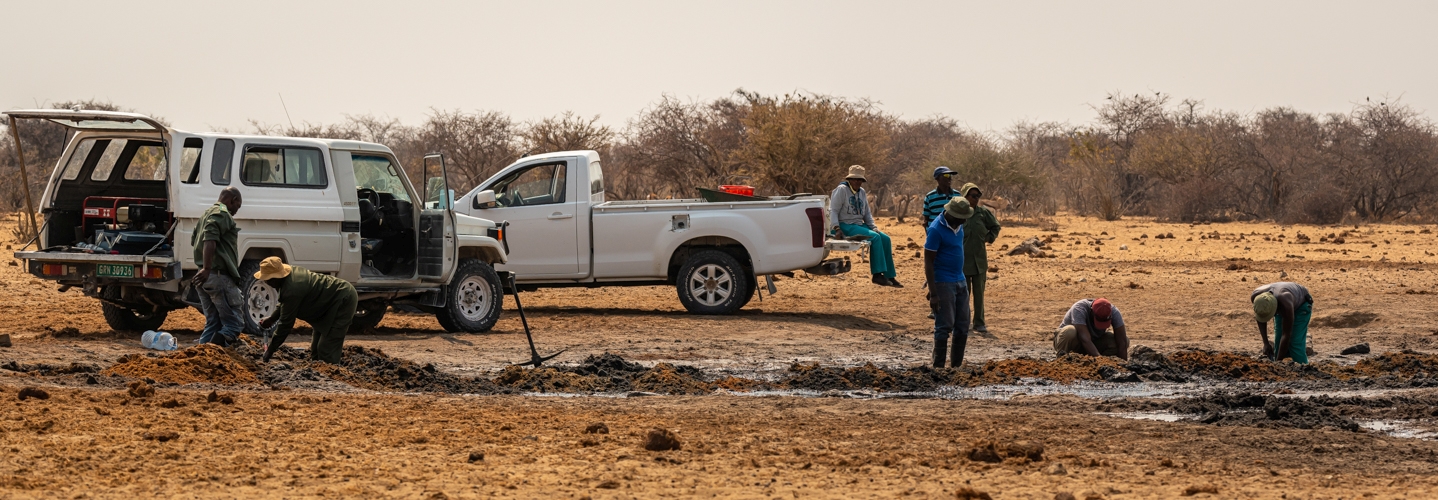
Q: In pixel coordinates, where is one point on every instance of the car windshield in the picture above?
(380, 174)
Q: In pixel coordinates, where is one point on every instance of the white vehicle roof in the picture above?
(116, 121)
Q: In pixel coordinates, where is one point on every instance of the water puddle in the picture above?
(1399, 428)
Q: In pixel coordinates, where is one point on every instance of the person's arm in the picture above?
(206, 265)
(837, 199)
(1086, 339)
(868, 212)
(1263, 333)
(992, 222)
(1120, 337)
(930, 257)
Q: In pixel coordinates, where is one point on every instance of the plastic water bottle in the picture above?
(160, 341)
(165, 342)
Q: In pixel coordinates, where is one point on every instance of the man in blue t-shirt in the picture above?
(944, 273)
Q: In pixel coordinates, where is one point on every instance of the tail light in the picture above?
(816, 225)
(154, 273)
(54, 269)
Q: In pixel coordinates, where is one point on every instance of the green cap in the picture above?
(1265, 305)
(958, 208)
(964, 191)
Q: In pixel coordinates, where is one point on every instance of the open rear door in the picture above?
(75, 119)
(436, 223)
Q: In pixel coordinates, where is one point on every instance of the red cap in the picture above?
(1102, 314)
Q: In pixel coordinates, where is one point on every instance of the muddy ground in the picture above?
(415, 411)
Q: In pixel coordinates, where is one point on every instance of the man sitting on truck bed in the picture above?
(849, 210)
(216, 242)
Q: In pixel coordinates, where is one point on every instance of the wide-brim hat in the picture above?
(958, 208)
(856, 172)
(271, 268)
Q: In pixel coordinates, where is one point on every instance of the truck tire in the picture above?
(712, 282)
(260, 298)
(473, 298)
(368, 315)
(124, 319)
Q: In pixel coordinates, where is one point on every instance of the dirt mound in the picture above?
(204, 363)
(373, 369)
(1066, 369)
(549, 379)
(1404, 364)
(1243, 408)
(44, 369)
(1228, 365)
(669, 379)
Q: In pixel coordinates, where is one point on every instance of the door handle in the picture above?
(557, 216)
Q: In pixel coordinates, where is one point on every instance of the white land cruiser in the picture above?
(121, 205)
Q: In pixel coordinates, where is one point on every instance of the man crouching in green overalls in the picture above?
(325, 302)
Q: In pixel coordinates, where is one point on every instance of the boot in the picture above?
(939, 352)
(960, 341)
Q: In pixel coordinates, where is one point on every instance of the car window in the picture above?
(284, 166)
(220, 162)
(77, 159)
(147, 163)
(596, 178)
(537, 185)
(190, 160)
(380, 174)
(108, 160)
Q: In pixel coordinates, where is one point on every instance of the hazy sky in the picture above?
(206, 65)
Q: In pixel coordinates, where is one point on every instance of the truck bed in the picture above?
(696, 204)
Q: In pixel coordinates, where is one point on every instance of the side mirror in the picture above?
(485, 199)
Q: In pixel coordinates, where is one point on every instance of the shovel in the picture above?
(534, 358)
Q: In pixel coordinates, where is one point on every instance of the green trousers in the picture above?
(976, 289)
(1298, 350)
(328, 342)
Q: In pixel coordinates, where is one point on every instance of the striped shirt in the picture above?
(934, 204)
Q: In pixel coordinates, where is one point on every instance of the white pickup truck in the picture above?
(565, 234)
(124, 199)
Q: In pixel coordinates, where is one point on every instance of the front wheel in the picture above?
(712, 282)
(473, 298)
(124, 319)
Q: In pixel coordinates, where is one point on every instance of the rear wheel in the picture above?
(124, 319)
(368, 315)
(473, 298)
(712, 282)
(261, 299)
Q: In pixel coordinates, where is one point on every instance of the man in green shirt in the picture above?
(325, 302)
(216, 241)
(979, 231)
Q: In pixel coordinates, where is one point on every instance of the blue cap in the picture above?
(941, 171)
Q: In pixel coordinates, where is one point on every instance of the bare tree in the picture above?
(805, 142)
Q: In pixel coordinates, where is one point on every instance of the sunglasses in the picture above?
(947, 176)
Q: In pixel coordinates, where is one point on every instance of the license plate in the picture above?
(115, 271)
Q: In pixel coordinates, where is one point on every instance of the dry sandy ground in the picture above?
(1175, 293)
(103, 444)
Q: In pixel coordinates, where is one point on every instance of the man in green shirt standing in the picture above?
(979, 231)
(216, 242)
(325, 302)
